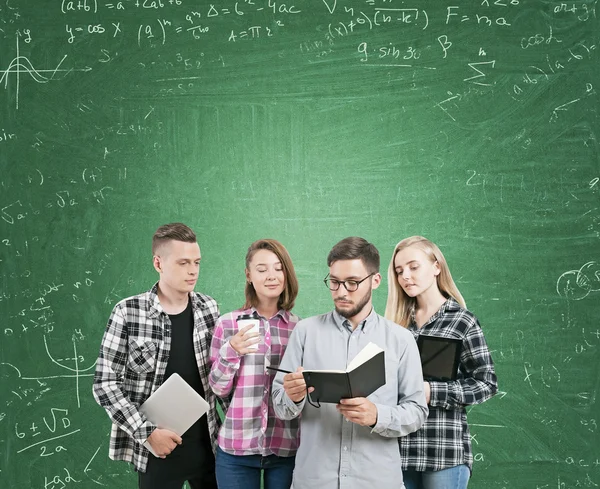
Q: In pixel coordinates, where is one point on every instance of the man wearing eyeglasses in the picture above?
(352, 444)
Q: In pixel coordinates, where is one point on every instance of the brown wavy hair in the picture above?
(290, 292)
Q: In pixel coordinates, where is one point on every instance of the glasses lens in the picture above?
(351, 285)
(331, 284)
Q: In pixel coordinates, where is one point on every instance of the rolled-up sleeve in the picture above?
(225, 361)
(479, 382)
(284, 407)
(109, 377)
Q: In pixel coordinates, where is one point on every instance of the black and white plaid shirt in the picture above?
(132, 363)
(444, 440)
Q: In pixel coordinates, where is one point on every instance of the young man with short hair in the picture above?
(352, 444)
(149, 337)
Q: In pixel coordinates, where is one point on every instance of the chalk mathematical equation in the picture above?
(21, 66)
(472, 120)
(197, 22)
(218, 24)
(579, 284)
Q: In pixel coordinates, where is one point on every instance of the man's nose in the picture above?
(340, 293)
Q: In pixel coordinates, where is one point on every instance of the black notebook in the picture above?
(439, 357)
(364, 375)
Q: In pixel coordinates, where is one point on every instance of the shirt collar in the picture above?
(282, 313)
(155, 308)
(449, 305)
(364, 325)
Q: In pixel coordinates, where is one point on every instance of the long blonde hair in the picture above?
(400, 306)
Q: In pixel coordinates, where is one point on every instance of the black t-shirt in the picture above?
(196, 448)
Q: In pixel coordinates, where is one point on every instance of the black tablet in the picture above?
(439, 357)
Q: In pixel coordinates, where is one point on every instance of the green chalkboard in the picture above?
(474, 123)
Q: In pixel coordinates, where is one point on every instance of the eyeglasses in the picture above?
(349, 285)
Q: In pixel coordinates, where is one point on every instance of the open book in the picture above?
(174, 406)
(364, 375)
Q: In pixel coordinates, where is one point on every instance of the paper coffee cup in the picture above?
(248, 319)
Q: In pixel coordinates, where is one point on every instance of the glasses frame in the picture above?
(343, 282)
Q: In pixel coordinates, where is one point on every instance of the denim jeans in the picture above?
(452, 478)
(244, 471)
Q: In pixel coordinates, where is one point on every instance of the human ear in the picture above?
(156, 261)
(376, 281)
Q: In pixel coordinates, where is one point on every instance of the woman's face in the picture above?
(415, 271)
(265, 271)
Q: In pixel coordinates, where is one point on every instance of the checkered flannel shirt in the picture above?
(444, 440)
(251, 427)
(132, 363)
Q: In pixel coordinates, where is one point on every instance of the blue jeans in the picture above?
(452, 478)
(244, 472)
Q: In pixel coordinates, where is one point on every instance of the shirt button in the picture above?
(345, 449)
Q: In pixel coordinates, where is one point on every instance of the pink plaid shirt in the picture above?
(251, 427)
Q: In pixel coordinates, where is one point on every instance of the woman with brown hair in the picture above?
(253, 441)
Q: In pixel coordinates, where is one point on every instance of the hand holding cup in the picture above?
(247, 338)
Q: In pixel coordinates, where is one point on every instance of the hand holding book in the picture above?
(174, 407)
(162, 442)
(364, 375)
(358, 410)
(294, 384)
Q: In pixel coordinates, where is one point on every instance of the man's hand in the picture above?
(427, 389)
(163, 442)
(295, 386)
(359, 410)
(241, 341)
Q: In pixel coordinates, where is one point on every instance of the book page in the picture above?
(363, 356)
(326, 371)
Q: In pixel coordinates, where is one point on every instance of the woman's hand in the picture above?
(243, 341)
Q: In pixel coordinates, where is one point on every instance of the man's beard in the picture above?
(350, 313)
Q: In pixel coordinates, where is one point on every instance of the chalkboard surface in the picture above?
(474, 123)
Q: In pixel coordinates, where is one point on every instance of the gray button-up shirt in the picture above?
(335, 453)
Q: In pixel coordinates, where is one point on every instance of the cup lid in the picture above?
(247, 316)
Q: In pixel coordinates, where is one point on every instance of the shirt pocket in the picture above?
(142, 356)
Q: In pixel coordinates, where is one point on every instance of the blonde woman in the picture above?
(423, 298)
